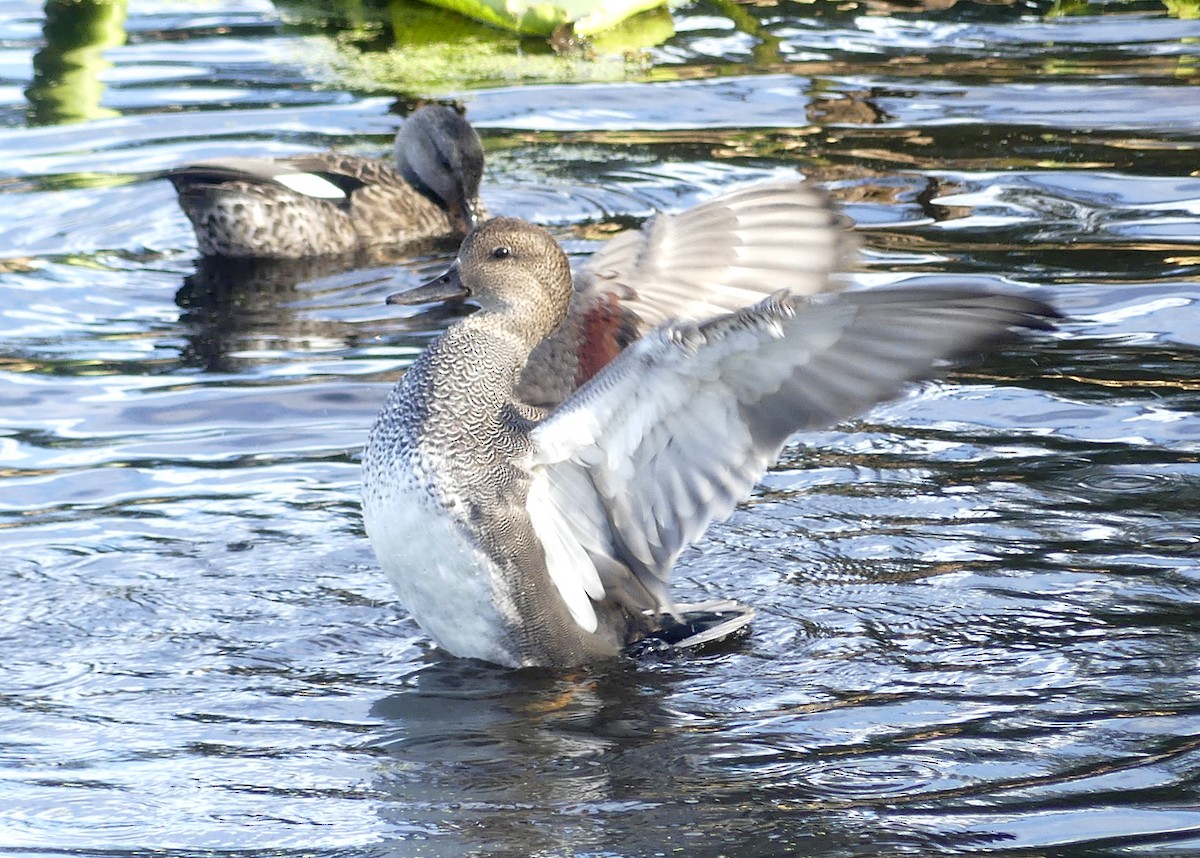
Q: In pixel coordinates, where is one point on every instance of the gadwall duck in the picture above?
(329, 203)
(528, 536)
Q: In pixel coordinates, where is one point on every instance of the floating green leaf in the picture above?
(543, 17)
(434, 50)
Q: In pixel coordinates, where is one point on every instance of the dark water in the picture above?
(979, 626)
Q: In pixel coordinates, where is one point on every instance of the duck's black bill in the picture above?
(448, 287)
(464, 216)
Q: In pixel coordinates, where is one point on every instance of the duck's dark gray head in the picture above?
(438, 151)
(506, 266)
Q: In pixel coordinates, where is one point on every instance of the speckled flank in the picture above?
(250, 219)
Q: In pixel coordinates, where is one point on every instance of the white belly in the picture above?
(449, 586)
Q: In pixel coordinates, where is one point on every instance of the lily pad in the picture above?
(433, 50)
(543, 17)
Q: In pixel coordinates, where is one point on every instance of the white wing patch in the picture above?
(571, 569)
(311, 185)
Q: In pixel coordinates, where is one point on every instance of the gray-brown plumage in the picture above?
(526, 536)
(330, 203)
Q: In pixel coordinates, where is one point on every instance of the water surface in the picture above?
(978, 619)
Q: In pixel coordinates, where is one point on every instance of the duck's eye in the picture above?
(502, 252)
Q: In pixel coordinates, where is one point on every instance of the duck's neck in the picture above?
(414, 180)
(472, 368)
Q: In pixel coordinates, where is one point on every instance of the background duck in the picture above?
(330, 203)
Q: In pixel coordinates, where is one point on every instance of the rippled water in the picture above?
(978, 627)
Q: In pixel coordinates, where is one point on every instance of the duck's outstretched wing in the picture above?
(636, 464)
(724, 254)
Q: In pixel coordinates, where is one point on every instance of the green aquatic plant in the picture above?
(1182, 9)
(1187, 10)
(543, 17)
(434, 50)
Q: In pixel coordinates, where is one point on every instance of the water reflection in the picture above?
(66, 83)
(524, 763)
(483, 755)
(240, 313)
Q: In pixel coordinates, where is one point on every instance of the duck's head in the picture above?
(506, 266)
(438, 150)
